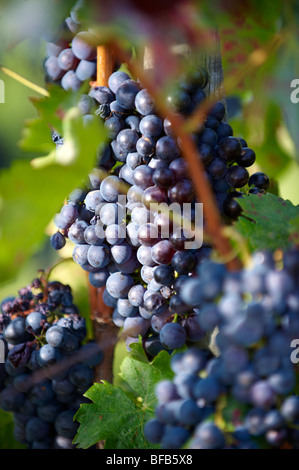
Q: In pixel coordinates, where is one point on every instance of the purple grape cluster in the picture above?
(142, 255)
(71, 58)
(47, 366)
(253, 368)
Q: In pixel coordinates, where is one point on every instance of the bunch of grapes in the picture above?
(71, 59)
(256, 311)
(142, 255)
(48, 366)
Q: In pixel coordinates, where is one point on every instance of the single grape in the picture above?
(259, 180)
(126, 94)
(144, 102)
(172, 336)
(84, 46)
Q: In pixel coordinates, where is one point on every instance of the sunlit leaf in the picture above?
(116, 417)
(267, 221)
(30, 197)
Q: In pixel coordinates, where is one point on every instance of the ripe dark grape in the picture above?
(144, 103)
(65, 425)
(148, 235)
(114, 125)
(151, 126)
(163, 177)
(143, 176)
(212, 123)
(179, 101)
(121, 253)
(56, 336)
(229, 148)
(67, 60)
(208, 137)
(127, 139)
(16, 332)
(172, 336)
(178, 240)
(162, 252)
(205, 153)
(48, 355)
(98, 256)
(35, 322)
(247, 157)
(153, 431)
(217, 168)
(53, 69)
(256, 191)
(231, 207)
(164, 275)
(70, 81)
(167, 149)
(217, 111)
(118, 284)
(259, 180)
(86, 70)
(154, 303)
(181, 192)
(199, 98)
(117, 79)
(111, 188)
(99, 278)
(224, 130)
(237, 176)
(145, 146)
(135, 326)
(57, 240)
(126, 93)
(154, 195)
(177, 305)
(183, 262)
(84, 46)
(102, 95)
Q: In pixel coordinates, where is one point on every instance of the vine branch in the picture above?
(101, 315)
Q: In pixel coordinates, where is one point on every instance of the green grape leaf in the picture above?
(294, 230)
(233, 412)
(117, 416)
(267, 221)
(52, 109)
(30, 196)
(137, 351)
(112, 416)
(36, 135)
(271, 156)
(142, 377)
(7, 439)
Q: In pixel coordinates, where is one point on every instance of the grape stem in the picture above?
(47, 273)
(24, 81)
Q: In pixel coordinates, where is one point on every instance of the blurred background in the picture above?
(259, 47)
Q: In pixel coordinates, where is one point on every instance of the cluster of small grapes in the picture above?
(256, 311)
(47, 368)
(137, 253)
(71, 59)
